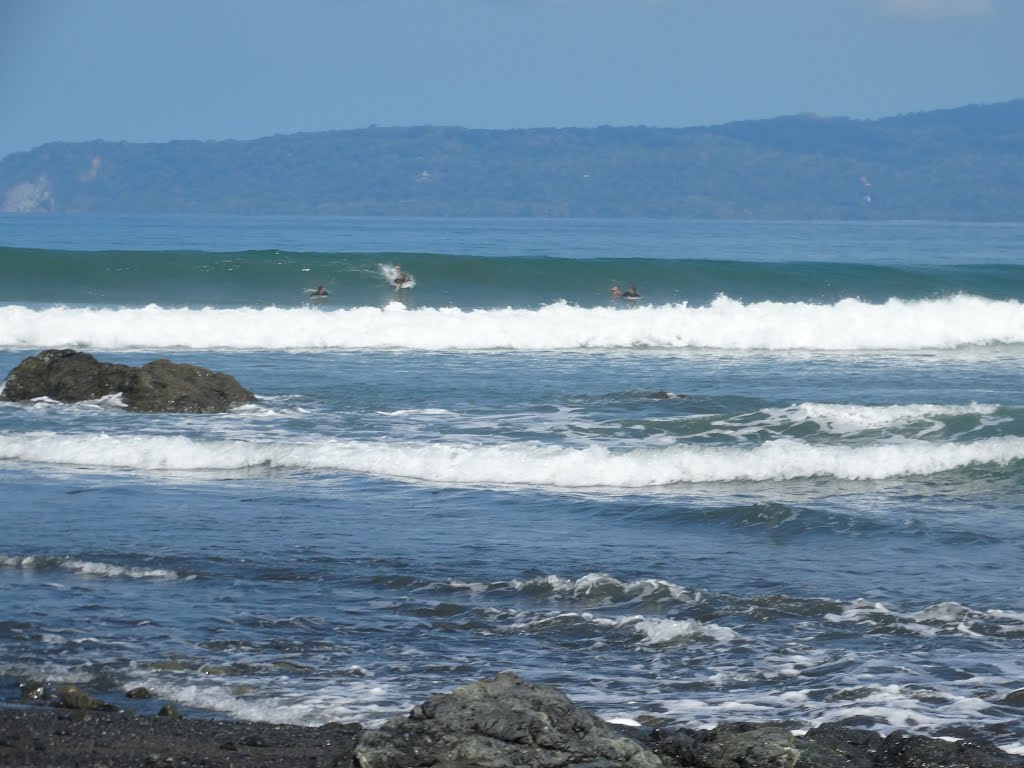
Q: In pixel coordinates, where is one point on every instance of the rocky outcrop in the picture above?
(159, 386)
(500, 723)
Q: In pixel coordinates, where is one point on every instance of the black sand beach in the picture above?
(45, 736)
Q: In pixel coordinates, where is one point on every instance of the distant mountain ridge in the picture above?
(955, 164)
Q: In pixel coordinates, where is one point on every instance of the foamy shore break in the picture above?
(504, 722)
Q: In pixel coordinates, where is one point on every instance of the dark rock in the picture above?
(139, 693)
(500, 723)
(168, 710)
(1014, 698)
(72, 697)
(836, 746)
(157, 386)
(675, 747)
(663, 395)
(736, 745)
(901, 751)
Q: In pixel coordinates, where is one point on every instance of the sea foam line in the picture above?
(86, 567)
(849, 324)
(839, 418)
(519, 463)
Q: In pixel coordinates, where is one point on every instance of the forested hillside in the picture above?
(960, 164)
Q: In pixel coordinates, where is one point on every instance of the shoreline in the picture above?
(504, 722)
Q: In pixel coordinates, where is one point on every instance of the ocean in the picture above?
(785, 484)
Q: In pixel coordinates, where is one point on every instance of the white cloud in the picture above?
(938, 8)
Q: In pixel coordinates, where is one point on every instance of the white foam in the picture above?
(363, 699)
(87, 567)
(849, 324)
(837, 418)
(530, 464)
(655, 631)
(944, 618)
(416, 412)
(662, 631)
(610, 590)
(107, 402)
(106, 569)
(27, 562)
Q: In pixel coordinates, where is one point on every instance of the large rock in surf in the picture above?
(159, 386)
(832, 745)
(500, 723)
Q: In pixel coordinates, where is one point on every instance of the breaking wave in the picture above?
(528, 464)
(725, 323)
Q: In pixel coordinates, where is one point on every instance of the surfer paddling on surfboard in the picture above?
(319, 293)
(630, 294)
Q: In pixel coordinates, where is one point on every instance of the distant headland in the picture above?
(963, 164)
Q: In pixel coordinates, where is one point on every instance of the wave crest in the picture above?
(517, 464)
(849, 324)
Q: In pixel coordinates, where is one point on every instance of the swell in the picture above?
(283, 278)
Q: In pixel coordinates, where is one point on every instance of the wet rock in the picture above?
(139, 693)
(836, 746)
(158, 386)
(169, 710)
(500, 723)
(1014, 698)
(735, 745)
(72, 697)
(901, 751)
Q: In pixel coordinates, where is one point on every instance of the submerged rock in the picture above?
(72, 697)
(500, 723)
(70, 376)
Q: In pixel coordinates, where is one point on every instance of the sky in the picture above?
(159, 70)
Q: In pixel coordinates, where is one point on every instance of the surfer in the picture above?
(616, 292)
(319, 293)
(400, 278)
(631, 293)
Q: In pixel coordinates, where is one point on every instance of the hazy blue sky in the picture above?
(155, 70)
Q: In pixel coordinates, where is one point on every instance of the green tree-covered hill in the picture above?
(958, 164)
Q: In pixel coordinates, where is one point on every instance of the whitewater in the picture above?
(518, 464)
(849, 324)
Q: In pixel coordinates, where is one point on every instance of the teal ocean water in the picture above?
(785, 483)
